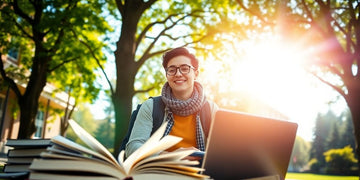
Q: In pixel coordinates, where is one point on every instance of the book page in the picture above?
(174, 172)
(71, 152)
(90, 141)
(167, 157)
(70, 156)
(83, 167)
(47, 176)
(72, 145)
(53, 176)
(152, 146)
(133, 157)
(158, 147)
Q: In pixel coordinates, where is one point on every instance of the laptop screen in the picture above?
(244, 146)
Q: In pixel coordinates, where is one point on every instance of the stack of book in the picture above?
(66, 159)
(22, 152)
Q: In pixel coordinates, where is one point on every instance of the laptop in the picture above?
(243, 146)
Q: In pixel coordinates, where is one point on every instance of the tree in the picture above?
(300, 154)
(334, 138)
(318, 146)
(148, 29)
(57, 39)
(105, 133)
(329, 32)
(347, 137)
(85, 119)
(340, 161)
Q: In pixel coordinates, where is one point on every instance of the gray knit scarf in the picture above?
(185, 108)
(180, 107)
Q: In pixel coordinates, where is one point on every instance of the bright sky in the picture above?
(273, 73)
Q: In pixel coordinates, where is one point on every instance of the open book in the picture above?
(67, 159)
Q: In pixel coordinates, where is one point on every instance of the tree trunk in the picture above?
(27, 119)
(126, 66)
(356, 122)
(126, 71)
(29, 102)
(122, 98)
(353, 102)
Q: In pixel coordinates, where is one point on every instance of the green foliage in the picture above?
(102, 130)
(340, 161)
(85, 119)
(347, 130)
(67, 27)
(321, 133)
(309, 176)
(300, 154)
(105, 133)
(314, 165)
(331, 132)
(58, 42)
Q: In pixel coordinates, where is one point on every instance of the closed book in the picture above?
(19, 160)
(25, 152)
(9, 168)
(28, 143)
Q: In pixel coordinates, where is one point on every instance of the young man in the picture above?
(183, 97)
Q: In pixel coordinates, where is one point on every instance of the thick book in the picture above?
(21, 154)
(25, 152)
(66, 159)
(28, 143)
(16, 168)
(19, 160)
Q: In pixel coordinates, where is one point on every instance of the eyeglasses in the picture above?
(184, 69)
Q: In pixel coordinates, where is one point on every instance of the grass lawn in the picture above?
(307, 176)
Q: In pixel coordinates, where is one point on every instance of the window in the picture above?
(13, 53)
(39, 122)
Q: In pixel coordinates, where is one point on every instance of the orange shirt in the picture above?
(185, 127)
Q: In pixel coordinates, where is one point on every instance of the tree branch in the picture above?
(120, 7)
(62, 63)
(148, 4)
(336, 88)
(17, 24)
(62, 31)
(147, 54)
(307, 10)
(10, 81)
(144, 90)
(253, 12)
(148, 27)
(97, 61)
(21, 13)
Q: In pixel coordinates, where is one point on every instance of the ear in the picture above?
(196, 73)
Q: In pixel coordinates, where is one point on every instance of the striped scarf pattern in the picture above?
(184, 108)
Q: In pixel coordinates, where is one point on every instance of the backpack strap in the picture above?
(131, 125)
(158, 113)
(205, 118)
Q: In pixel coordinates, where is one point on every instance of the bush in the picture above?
(314, 165)
(340, 161)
